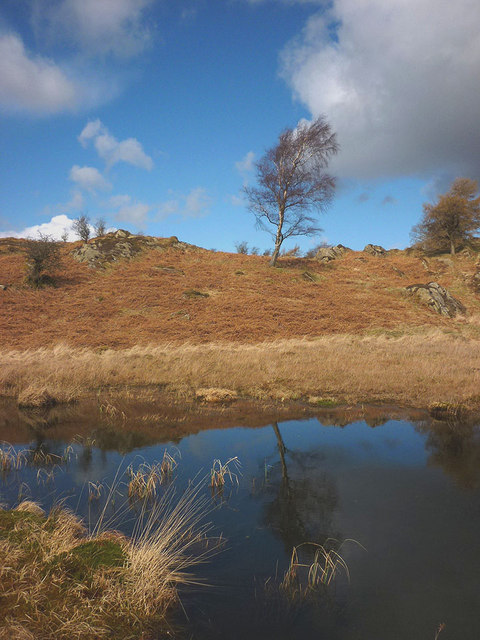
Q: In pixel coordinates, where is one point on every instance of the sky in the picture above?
(152, 114)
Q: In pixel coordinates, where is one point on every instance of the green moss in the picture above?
(82, 561)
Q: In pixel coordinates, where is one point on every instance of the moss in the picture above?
(84, 560)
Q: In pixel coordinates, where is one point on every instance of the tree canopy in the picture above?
(292, 182)
(452, 220)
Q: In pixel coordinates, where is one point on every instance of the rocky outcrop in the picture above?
(325, 254)
(120, 245)
(375, 250)
(437, 298)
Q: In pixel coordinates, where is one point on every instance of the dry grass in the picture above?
(57, 581)
(303, 578)
(417, 369)
(142, 301)
(221, 472)
(350, 333)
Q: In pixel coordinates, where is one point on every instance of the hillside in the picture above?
(181, 293)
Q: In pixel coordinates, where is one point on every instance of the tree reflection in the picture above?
(304, 500)
(455, 447)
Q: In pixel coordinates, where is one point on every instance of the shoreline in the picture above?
(418, 371)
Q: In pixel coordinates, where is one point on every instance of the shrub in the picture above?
(100, 227)
(241, 247)
(43, 255)
(81, 226)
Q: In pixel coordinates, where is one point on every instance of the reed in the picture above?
(303, 578)
(221, 472)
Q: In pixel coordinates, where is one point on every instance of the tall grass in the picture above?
(415, 369)
(57, 580)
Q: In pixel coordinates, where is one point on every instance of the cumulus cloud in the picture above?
(111, 150)
(194, 204)
(89, 179)
(117, 27)
(55, 228)
(32, 83)
(398, 82)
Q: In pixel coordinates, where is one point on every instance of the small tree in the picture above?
(241, 247)
(43, 255)
(452, 220)
(81, 226)
(293, 183)
(100, 227)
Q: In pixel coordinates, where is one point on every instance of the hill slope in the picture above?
(186, 294)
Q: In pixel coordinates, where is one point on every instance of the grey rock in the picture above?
(325, 254)
(375, 250)
(437, 298)
(121, 245)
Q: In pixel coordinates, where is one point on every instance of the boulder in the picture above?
(121, 245)
(437, 298)
(375, 250)
(325, 254)
(3, 287)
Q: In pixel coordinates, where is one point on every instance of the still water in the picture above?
(408, 493)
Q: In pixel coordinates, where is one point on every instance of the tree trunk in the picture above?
(452, 247)
(278, 241)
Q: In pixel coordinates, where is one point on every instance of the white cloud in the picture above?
(119, 201)
(113, 151)
(32, 83)
(89, 179)
(118, 27)
(246, 164)
(399, 84)
(75, 203)
(135, 213)
(128, 210)
(55, 228)
(237, 201)
(194, 204)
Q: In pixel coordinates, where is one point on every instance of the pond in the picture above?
(400, 502)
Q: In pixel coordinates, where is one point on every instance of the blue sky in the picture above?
(152, 113)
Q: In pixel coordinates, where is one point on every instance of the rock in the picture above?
(121, 245)
(375, 250)
(325, 254)
(438, 298)
(193, 293)
(3, 287)
(398, 271)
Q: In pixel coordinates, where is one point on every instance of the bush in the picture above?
(43, 256)
(100, 227)
(81, 226)
(241, 247)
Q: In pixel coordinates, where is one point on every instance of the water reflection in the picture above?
(408, 491)
(305, 497)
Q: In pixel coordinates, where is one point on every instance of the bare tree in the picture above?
(293, 183)
(100, 227)
(43, 255)
(81, 226)
(452, 220)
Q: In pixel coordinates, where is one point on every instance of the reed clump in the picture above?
(59, 581)
(302, 578)
(220, 473)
